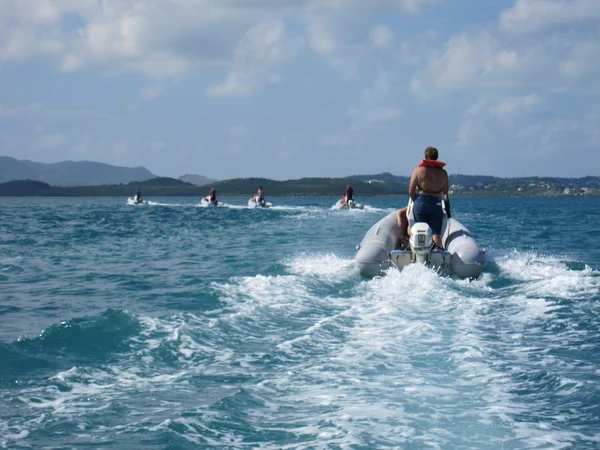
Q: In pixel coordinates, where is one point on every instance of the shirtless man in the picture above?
(260, 196)
(349, 195)
(432, 182)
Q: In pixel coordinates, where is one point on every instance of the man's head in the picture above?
(431, 153)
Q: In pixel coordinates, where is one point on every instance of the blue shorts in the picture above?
(428, 209)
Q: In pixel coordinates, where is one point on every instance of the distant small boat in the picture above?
(206, 202)
(254, 203)
(352, 204)
(135, 200)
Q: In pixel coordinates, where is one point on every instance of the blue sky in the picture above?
(297, 88)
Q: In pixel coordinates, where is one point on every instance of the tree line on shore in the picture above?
(162, 186)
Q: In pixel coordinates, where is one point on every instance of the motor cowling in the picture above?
(421, 241)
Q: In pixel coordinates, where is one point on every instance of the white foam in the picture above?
(545, 276)
(327, 265)
(410, 359)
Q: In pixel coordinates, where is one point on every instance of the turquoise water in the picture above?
(170, 326)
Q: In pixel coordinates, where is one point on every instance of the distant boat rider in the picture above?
(349, 195)
(260, 196)
(432, 182)
(138, 196)
(212, 196)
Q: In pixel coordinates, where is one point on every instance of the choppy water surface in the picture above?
(173, 326)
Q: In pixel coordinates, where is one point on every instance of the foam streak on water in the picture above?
(172, 326)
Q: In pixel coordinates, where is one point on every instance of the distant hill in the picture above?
(306, 187)
(477, 180)
(70, 173)
(160, 186)
(25, 187)
(160, 181)
(198, 180)
(461, 185)
(384, 176)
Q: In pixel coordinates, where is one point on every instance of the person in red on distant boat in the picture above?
(431, 180)
(212, 196)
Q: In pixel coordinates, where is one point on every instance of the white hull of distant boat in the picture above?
(254, 203)
(383, 247)
(206, 203)
(351, 205)
(136, 201)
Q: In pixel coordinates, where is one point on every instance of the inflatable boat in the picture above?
(383, 247)
(206, 202)
(135, 200)
(254, 203)
(351, 205)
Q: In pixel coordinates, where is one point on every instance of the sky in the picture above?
(303, 88)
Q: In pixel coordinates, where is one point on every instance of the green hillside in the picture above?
(170, 187)
(307, 187)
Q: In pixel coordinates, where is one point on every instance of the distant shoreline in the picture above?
(229, 195)
(305, 187)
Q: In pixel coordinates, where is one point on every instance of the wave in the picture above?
(317, 357)
(69, 342)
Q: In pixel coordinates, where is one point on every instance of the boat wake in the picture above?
(330, 358)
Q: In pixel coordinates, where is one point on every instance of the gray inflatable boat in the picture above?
(384, 247)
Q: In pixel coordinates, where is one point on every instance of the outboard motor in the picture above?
(421, 242)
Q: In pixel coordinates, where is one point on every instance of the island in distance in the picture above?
(87, 178)
(197, 180)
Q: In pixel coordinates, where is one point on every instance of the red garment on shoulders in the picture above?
(431, 163)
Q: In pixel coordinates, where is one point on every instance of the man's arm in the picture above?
(445, 198)
(412, 186)
(445, 186)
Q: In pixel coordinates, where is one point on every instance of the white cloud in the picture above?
(263, 47)
(476, 108)
(536, 16)
(19, 111)
(559, 128)
(376, 114)
(151, 92)
(467, 134)
(346, 138)
(381, 36)
(239, 130)
(377, 101)
(158, 145)
(464, 59)
(119, 148)
(266, 43)
(36, 110)
(482, 58)
(51, 141)
(382, 88)
(321, 37)
(237, 84)
(167, 38)
(516, 105)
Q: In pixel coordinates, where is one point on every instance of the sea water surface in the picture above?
(171, 326)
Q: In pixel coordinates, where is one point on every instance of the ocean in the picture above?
(171, 326)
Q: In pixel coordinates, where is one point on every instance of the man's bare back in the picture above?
(429, 180)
